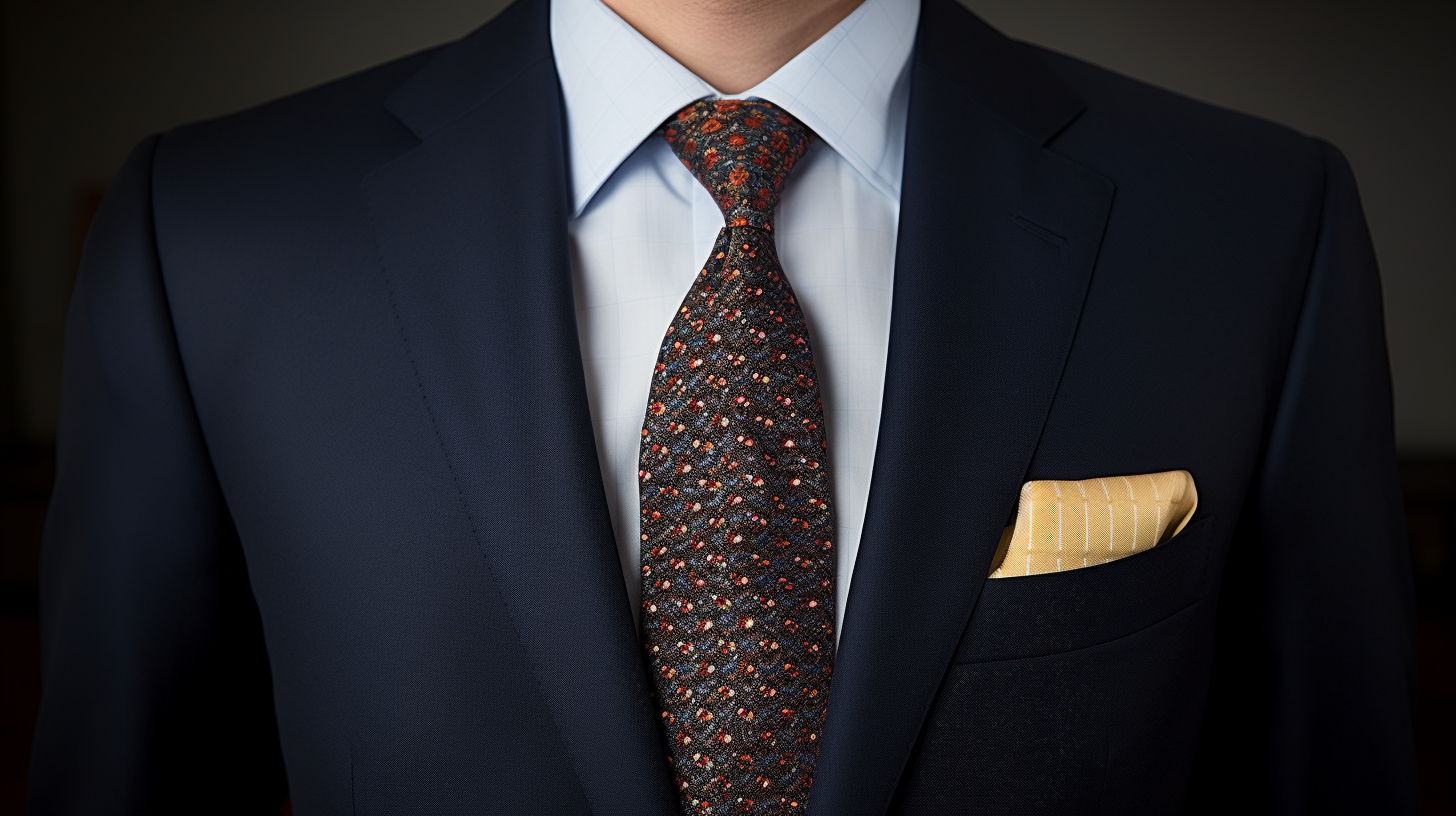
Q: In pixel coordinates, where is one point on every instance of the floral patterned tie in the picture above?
(737, 531)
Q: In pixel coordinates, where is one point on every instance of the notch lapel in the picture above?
(998, 238)
(471, 225)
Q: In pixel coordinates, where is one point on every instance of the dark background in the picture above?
(81, 81)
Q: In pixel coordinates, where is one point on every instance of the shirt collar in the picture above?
(850, 86)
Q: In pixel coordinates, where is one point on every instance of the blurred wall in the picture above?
(84, 80)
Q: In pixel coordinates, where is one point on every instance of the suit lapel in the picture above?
(471, 225)
(998, 237)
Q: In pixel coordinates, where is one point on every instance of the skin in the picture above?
(732, 44)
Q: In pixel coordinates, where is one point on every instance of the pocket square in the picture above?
(1064, 525)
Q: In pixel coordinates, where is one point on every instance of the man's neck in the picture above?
(732, 44)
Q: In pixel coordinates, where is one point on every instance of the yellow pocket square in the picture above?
(1063, 525)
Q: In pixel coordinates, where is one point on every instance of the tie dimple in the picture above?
(737, 528)
(741, 150)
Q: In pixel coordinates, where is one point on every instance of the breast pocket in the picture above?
(1032, 616)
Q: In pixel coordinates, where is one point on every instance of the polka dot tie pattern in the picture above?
(737, 529)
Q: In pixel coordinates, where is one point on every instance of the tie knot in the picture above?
(741, 150)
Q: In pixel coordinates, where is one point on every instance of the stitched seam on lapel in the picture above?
(1092, 262)
(465, 505)
(1039, 231)
(1062, 369)
(924, 65)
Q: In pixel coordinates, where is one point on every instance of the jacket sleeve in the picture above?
(156, 695)
(1310, 708)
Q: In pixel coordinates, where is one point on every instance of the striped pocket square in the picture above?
(1065, 525)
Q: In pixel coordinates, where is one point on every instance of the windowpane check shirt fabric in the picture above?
(643, 225)
(737, 526)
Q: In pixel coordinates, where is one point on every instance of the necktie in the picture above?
(737, 558)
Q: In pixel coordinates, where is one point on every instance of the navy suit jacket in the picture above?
(328, 497)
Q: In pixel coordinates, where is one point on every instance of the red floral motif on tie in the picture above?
(737, 529)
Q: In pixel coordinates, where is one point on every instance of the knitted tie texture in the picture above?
(737, 530)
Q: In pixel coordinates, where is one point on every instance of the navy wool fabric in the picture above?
(328, 502)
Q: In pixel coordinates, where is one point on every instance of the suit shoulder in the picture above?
(367, 88)
(332, 129)
(1127, 121)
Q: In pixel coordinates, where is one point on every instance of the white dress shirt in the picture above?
(643, 227)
